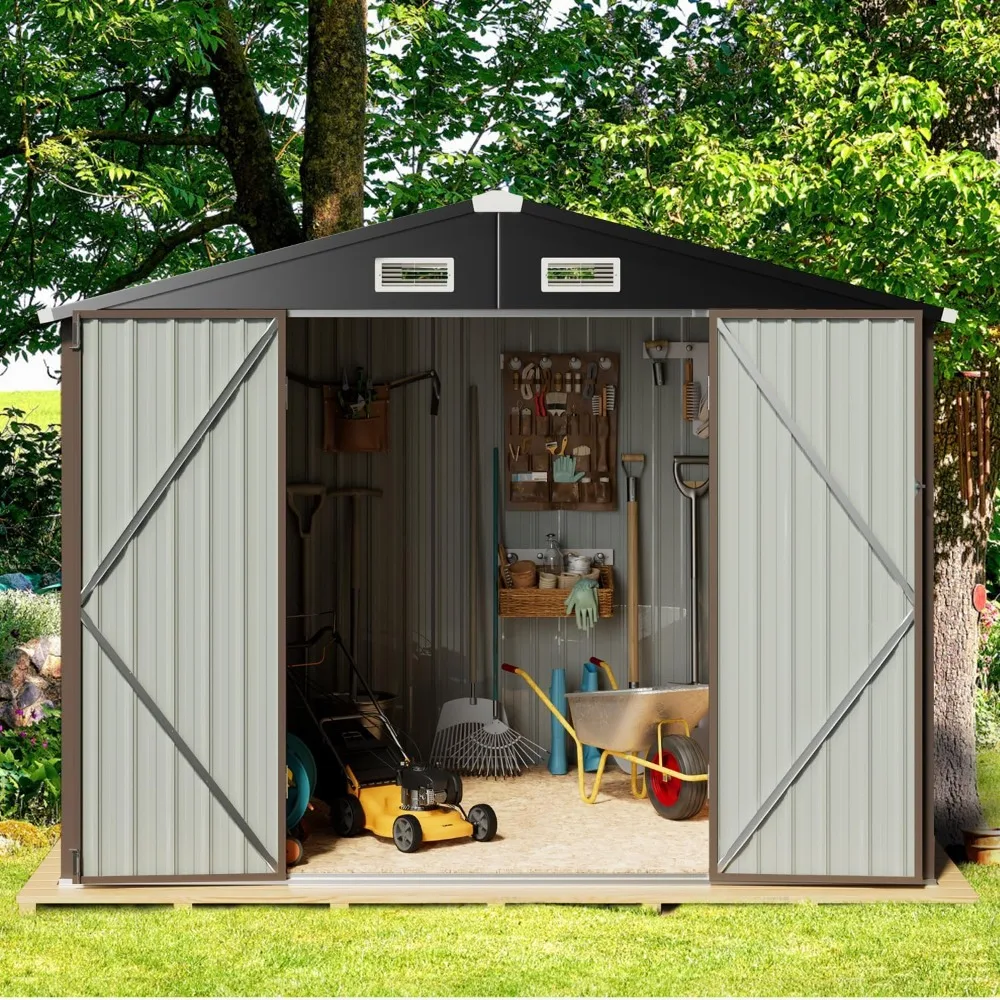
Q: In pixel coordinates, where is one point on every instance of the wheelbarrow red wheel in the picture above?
(671, 797)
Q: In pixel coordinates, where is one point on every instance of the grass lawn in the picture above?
(875, 950)
(40, 407)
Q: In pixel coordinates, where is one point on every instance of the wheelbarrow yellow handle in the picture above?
(606, 667)
(511, 669)
(580, 778)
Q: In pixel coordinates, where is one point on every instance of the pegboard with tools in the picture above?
(560, 414)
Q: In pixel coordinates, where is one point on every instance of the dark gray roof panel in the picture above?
(338, 273)
(423, 231)
(344, 278)
(659, 272)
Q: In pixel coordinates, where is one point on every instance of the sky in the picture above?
(31, 373)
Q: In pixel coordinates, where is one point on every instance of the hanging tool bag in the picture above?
(367, 433)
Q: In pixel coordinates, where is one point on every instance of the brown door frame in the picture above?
(72, 580)
(923, 605)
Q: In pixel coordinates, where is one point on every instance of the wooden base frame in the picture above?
(44, 889)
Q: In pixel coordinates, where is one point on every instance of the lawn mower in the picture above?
(387, 792)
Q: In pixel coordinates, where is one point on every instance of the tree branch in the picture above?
(110, 135)
(262, 201)
(156, 138)
(195, 231)
(177, 83)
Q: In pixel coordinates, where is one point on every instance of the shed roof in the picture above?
(497, 242)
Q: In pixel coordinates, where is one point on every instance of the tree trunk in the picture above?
(262, 203)
(960, 537)
(332, 170)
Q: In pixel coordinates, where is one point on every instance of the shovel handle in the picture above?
(633, 593)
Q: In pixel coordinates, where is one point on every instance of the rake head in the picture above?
(447, 743)
(496, 751)
(459, 720)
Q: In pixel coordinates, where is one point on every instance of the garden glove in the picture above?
(583, 601)
(564, 470)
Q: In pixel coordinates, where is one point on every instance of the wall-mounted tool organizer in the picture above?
(560, 415)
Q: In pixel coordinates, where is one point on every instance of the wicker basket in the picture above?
(530, 602)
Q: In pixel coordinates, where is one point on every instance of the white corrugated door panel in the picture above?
(181, 657)
(814, 431)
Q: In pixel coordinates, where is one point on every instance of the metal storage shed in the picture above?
(174, 537)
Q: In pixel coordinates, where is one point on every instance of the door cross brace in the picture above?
(182, 458)
(805, 445)
(175, 737)
(822, 734)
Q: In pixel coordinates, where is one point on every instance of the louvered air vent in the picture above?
(414, 274)
(580, 274)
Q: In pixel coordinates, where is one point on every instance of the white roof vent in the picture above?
(414, 274)
(581, 274)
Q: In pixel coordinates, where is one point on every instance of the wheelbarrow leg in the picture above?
(638, 784)
(581, 777)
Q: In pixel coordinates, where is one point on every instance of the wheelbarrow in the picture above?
(629, 724)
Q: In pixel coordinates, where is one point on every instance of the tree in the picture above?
(850, 138)
(142, 137)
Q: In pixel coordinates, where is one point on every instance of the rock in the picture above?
(28, 696)
(30, 681)
(43, 649)
(7, 846)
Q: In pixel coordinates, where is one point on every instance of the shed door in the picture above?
(815, 518)
(182, 616)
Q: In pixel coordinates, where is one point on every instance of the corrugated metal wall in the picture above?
(190, 607)
(414, 606)
(805, 604)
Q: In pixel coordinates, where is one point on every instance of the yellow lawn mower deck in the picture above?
(421, 805)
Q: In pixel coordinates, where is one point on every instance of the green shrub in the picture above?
(25, 834)
(30, 493)
(30, 764)
(25, 616)
(987, 691)
(987, 705)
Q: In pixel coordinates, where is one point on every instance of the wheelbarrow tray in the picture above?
(626, 720)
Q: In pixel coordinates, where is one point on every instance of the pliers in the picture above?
(543, 380)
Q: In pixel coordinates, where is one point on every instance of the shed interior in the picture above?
(414, 635)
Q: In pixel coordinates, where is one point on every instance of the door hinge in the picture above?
(917, 487)
(76, 863)
(286, 393)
